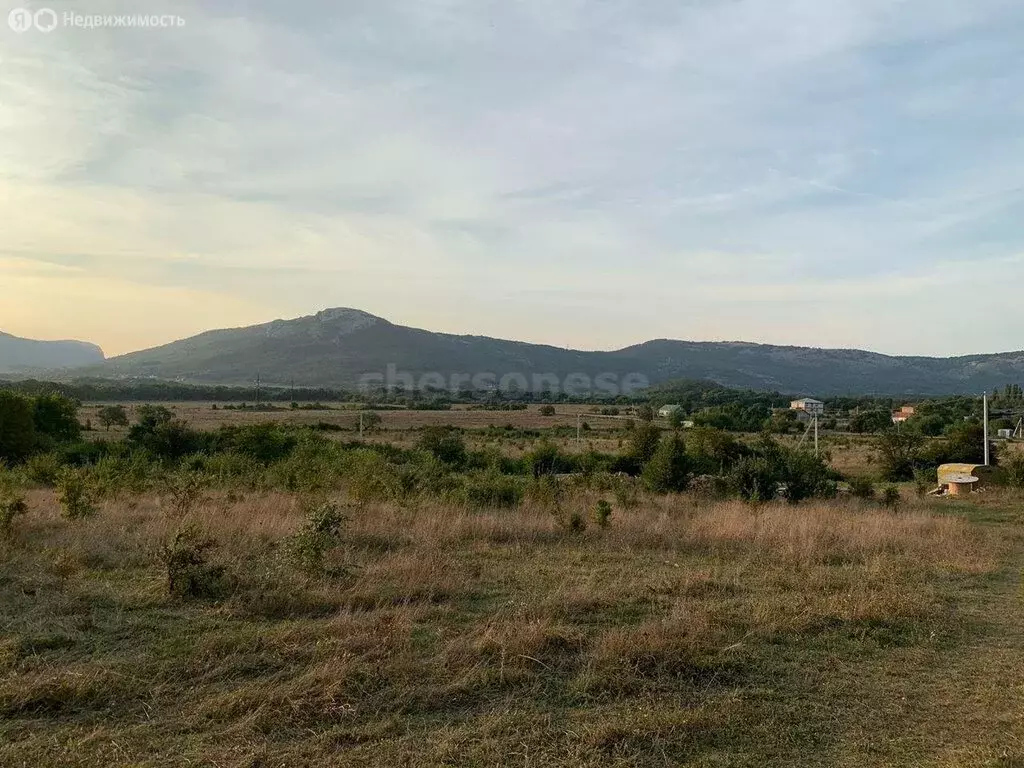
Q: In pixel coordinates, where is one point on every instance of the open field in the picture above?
(685, 633)
(264, 596)
(204, 416)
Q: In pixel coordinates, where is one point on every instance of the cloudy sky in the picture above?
(587, 173)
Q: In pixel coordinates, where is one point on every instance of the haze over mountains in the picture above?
(19, 355)
(336, 347)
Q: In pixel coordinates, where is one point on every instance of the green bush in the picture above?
(320, 534)
(131, 472)
(755, 479)
(17, 427)
(603, 513)
(445, 444)
(871, 421)
(369, 476)
(669, 468)
(926, 479)
(43, 469)
(185, 558)
(76, 493)
(805, 476)
(265, 443)
(12, 506)
(165, 438)
(963, 443)
(56, 419)
(490, 489)
(547, 459)
(643, 442)
(862, 488)
(627, 493)
(1013, 471)
(899, 454)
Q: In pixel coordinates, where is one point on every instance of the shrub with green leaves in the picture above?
(76, 493)
(320, 534)
(491, 489)
(185, 557)
(1013, 470)
(43, 469)
(862, 488)
(627, 493)
(17, 427)
(669, 468)
(12, 506)
(445, 444)
(755, 479)
(603, 513)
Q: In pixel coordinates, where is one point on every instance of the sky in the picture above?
(584, 173)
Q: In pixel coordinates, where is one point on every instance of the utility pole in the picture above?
(815, 435)
(257, 389)
(984, 409)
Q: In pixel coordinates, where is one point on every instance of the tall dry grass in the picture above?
(440, 618)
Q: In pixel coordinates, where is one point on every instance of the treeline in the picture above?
(440, 464)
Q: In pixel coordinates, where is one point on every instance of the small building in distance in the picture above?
(904, 413)
(808, 405)
(667, 410)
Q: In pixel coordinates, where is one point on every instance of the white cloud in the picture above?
(720, 169)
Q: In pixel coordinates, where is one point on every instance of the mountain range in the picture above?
(19, 355)
(339, 347)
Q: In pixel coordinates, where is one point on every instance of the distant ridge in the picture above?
(19, 355)
(335, 347)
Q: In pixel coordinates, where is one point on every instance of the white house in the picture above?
(667, 410)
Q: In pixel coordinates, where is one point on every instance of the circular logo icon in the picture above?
(20, 20)
(45, 19)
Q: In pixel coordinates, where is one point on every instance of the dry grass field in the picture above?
(203, 416)
(685, 633)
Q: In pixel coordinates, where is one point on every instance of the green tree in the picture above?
(782, 422)
(112, 416)
(445, 444)
(151, 416)
(17, 427)
(643, 441)
(899, 454)
(964, 443)
(755, 478)
(712, 451)
(56, 418)
(669, 467)
(871, 421)
(677, 418)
